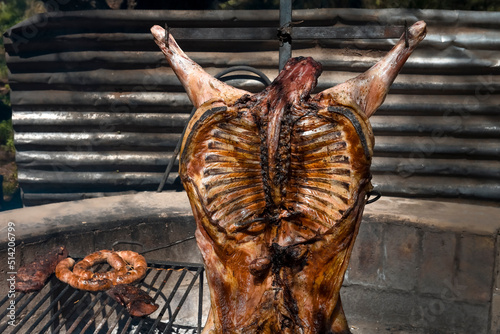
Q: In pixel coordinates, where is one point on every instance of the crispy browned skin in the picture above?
(277, 182)
(129, 267)
(137, 301)
(33, 276)
(278, 193)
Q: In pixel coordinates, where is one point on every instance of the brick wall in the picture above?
(429, 275)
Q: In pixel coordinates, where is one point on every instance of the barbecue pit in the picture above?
(58, 308)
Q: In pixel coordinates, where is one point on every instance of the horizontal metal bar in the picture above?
(145, 161)
(240, 34)
(101, 80)
(479, 126)
(349, 32)
(440, 145)
(84, 179)
(100, 119)
(443, 187)
(254, 33)
(420, 164)
(83, 141)
(125, 102)
(202, 18)
(152, 65)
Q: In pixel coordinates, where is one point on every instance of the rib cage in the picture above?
(320, 182)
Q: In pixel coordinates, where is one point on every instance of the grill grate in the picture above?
(58, 308)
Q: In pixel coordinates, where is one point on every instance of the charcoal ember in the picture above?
(137, 302)
(32, 277)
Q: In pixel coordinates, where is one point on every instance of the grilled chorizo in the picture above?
(128, 267)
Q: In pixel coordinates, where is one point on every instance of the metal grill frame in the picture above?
(69, 309)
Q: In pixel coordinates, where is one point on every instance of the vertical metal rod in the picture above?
(285, 17)
(200, 300)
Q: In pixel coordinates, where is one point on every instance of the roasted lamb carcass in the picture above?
(278, 181)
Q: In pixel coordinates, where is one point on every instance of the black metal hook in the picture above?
(375, 193)
(130, 242)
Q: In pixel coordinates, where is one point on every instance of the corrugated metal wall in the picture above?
(97, 111)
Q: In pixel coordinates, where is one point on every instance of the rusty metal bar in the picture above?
(167, 302)
(59, 311)
(18, 309)
(183, 299)
(84, 313)
(91, 321)
(200, 301)
(125, 327)
(46, 311)
(106, 316)
(153, 281)
(112, 326)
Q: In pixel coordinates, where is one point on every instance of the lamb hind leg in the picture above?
(339, 325)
